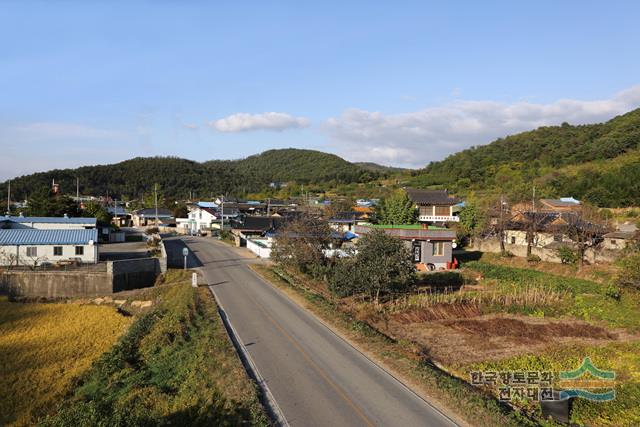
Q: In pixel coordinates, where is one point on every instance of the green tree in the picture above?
(382, 265)
(180, 211)
(472, 220)
(43, 202)
(397, 209)
(97, 211)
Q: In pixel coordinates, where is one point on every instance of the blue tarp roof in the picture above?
(49, 220)
(25, 236)
(207, 204)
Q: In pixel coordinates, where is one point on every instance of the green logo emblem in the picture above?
(575, 385)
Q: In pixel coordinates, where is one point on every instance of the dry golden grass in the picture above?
(43, 347)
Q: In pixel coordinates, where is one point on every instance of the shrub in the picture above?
(567, 255)
(506, 254)
(629, 275)
(152, 230)
(533, 259)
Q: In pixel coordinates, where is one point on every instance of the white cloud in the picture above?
(244, 122)
(416, 138)
(191, 126)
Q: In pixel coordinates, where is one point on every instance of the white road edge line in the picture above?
(330, 329)
(250, 365)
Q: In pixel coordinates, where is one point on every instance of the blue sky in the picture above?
(400, 83)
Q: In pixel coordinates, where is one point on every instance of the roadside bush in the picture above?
(507, 254)
(382, 265)
(629, 275)
(301, 245)
(341, 281)
(567, 255)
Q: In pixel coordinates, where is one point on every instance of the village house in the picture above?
(346, 221)
(550, 230)
(33, 247)
(147, 217)
(434, 206)
(619, 240)
(431, 247)
(199, 220)
(252, 227)
(46, 223)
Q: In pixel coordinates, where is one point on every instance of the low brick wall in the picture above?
(119, 276)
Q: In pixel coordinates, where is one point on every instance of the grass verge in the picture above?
(43, 348)
(175, 365)
(473, 405)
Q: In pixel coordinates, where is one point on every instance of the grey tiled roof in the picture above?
(431, 197)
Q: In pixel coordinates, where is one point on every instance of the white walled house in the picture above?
(36, 247)
(198, 219)
(46, 223)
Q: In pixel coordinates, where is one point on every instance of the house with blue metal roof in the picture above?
(46, 223)
(28, 246)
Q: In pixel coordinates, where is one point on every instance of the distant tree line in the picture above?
(180, 178)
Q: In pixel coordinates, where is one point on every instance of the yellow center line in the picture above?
(315, 366)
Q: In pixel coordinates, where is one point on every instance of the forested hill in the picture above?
(596, 162)
(178, 177)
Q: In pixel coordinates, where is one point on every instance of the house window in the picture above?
(57, 251)
(438, 248)
(614, 242)
(79, 250)
(32, 251)
(443, 210)
(557, 237)
(426, 210)
(513, 240)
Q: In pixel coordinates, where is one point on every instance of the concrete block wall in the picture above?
(118, 276)
(55, 284)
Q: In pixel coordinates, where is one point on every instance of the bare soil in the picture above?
(458, 336)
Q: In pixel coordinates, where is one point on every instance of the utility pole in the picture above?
(155, 194)
(502, 249)
(533, 226)
(9, 199)
(77, 190)
(222, 216)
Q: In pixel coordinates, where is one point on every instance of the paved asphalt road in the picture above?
(316, 378)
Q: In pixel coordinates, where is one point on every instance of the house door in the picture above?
(417, 252)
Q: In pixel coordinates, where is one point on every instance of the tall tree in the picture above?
(397, 209)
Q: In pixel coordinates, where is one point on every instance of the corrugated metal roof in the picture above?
(49, 220)
(47, 237)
